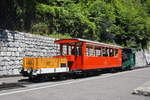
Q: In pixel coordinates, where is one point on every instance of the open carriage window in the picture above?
(97, 51)
(77, 49)
(71, 49)
(89, 50)
(104, 51)
(107, 52)
(64, 50)
(116, 52)
(111, 52)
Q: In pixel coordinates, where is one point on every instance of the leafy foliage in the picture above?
(125, 22)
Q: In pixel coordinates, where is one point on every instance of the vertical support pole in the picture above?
(108, 52)
(114, 51)
(83, 55)
(101, 51)
(75, 47)
(67, 49)
(88, 52)
(75, 62)
(61, 49)
(93, 51)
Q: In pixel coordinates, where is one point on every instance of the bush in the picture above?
(40, 28)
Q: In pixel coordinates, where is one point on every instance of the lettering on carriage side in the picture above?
(30, 62)
(48, 63)
(105, 62)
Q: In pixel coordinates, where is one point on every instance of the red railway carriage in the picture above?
(85, 55)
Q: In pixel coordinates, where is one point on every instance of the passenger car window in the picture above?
(89, 50)
(116, 52)
(104, 51)
(97, 51)
(111, 52)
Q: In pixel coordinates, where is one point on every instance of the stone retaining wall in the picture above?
(16, 45)
(140, 59)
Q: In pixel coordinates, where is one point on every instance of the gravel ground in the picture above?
(143, 89)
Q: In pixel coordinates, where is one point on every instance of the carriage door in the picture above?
(78, 56)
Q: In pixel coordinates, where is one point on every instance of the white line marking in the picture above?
(76, 81)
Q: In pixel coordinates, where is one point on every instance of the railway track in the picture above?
(14, 85)
(25, 82)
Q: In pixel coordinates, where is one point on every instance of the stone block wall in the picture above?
(140, 59)
(16, 45)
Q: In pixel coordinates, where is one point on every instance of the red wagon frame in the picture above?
(86, 55)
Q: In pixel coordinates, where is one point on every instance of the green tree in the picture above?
(125, 22)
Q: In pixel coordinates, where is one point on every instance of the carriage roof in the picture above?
(76, 40)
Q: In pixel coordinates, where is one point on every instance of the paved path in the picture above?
(116, 86)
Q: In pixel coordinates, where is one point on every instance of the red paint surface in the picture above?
(66, 41)
(84, 62)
